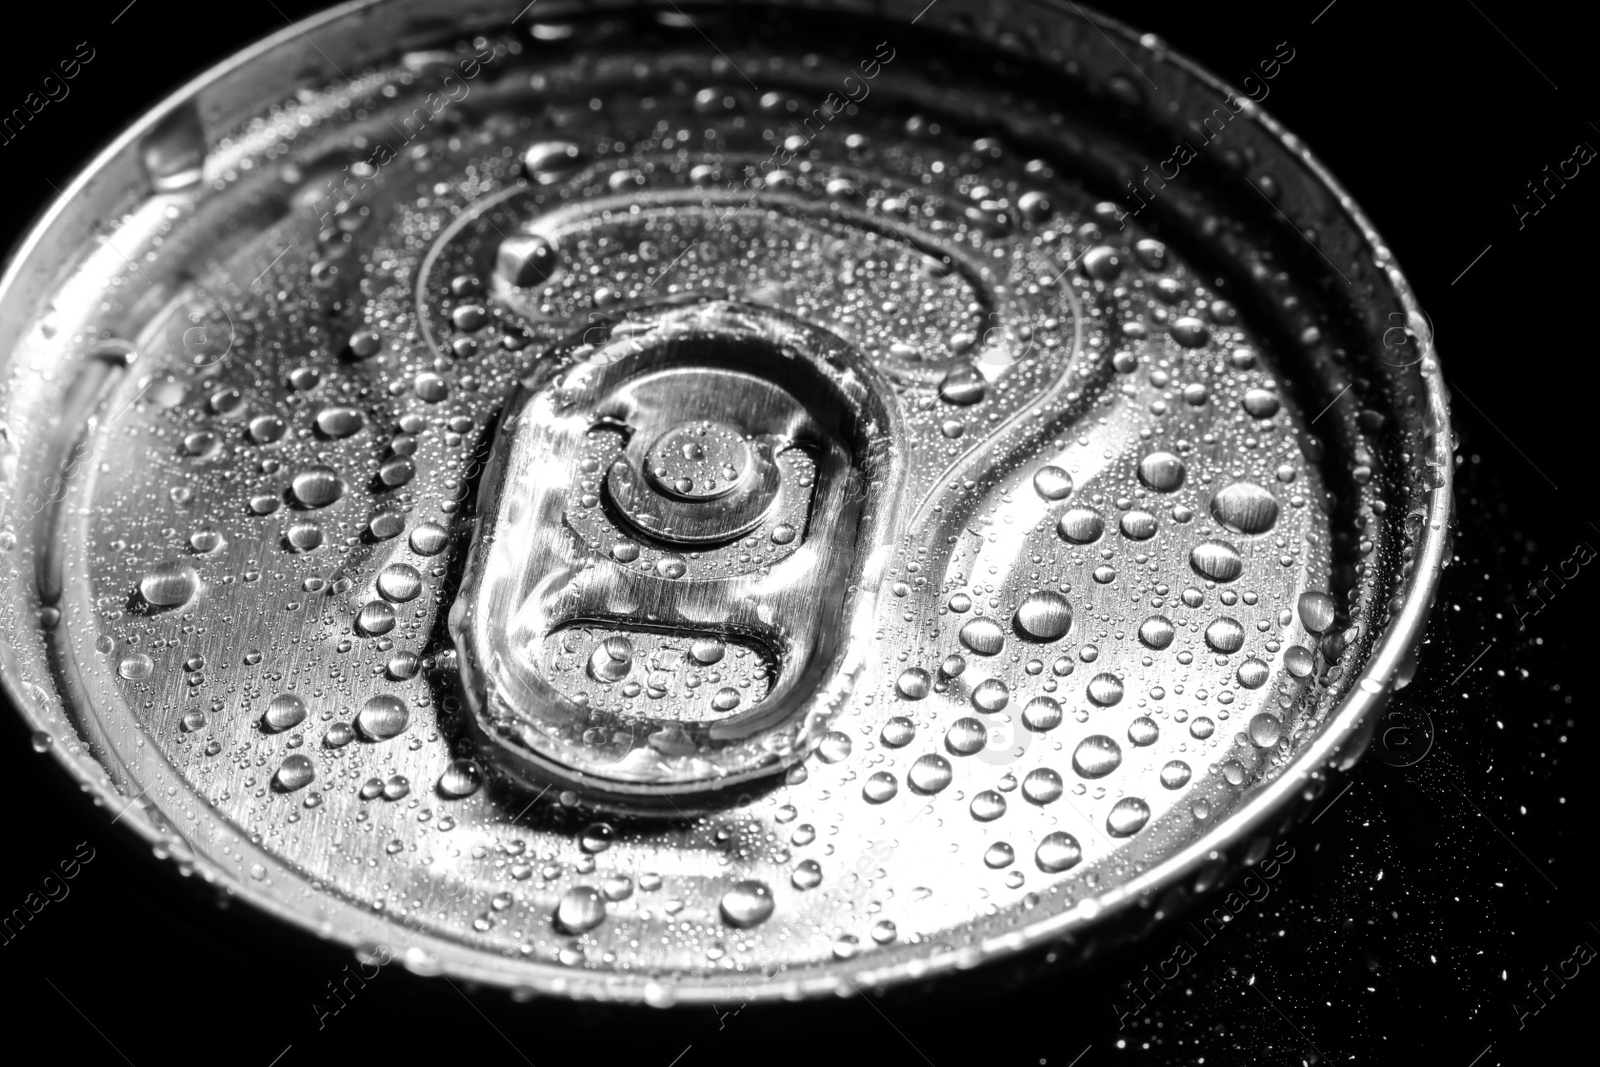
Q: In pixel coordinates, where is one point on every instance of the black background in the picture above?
(1419, 903)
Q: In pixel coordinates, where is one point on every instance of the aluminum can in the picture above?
(670, 502)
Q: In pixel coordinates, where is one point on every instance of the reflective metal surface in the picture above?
(633, 518)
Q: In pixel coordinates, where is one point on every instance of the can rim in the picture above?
(1336, 746)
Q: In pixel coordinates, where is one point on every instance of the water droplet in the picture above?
(1201, 727)
(1260, 403)
(966, 736)
(382, 717)
(991, 695)
(962, 387)
(983, 635)
(135, 667)
(1225, 635)
(1042, 714)
(1265, 730)
(1143, 731)
(1102, 263)
(399, 582)
(295, 772)
(1080, 526)
(1052, 483)
(1156, 632)
(707, 650)
(1316, 611)
(1096, 756)
(429, 539)
(580, 910)
(1057, 852)
(1189, 331)
(881, 786)
(1043, 616)
(898, 732)
(726, 699)
(339, 735)
(914, 683)
(1252, 673)
(284, 711)
(1127, 817)
(747, 904)
(1162, 471)
(988, 806)
(1138, 525)
(317, 487)
(340, 421)
(461, 778)
(169, 584)
(1042, 786)
(1175, 774)
(375, 617)
(835, 746)
(807, 875)
(303, 534)
(1216, 560)
(364, 344)
(998, 856)
(1297, 659)
(1105, 689)
(550, 161)
(930, 774)
(1245, 508)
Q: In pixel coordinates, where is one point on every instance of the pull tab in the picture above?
(665, 597)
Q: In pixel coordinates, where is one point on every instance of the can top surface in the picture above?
(646, 503)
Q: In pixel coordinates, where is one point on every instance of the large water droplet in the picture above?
(1080, 526)
(988, 806)
(1057, 852)
(1042, 786)
(1162, 471)
(1245, 508)
(1041, 714)
(1096, 756)
(1316, 611)
(983, 635)
(284, 711)
(382, 717)
(1225, 635)
(295, 772)
(914, 683)
(1052, 483)
(460, 779)
(1105, 689)
(747, 904)
(1265, 730)
(1043, 616)
(929, 774)
(340, 421)
(317, 487)
(1216, 560)
(1127, 817)
(966, 736)
(881, 786)
(1175, 774)
(169, 584)
(580, 910)
(898, 732)
(991, 695)
(1156, 632)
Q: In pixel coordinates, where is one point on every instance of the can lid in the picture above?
(659, 518)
